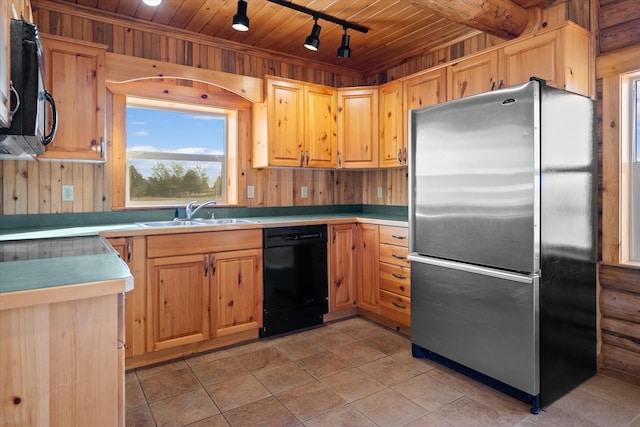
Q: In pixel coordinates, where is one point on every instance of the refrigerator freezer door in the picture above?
(474, 177)
(484, 319)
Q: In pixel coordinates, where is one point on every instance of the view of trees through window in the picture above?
(174, 155)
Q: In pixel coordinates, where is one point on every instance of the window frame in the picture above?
(153, 104)
(630, 167)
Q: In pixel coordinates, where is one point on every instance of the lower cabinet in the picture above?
(368, 273)
(342, 267)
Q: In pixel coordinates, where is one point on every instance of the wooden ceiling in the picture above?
(398, 29)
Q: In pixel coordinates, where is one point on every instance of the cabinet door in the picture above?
(422, 90)
(342, 267)
(178, 310)
(236, 291)
(5, 66)
(358, 128)
(285, 116)
(474, 75)
(320, 126)
(132, 250)
(368, 267)
(393, 150)
(75, 77)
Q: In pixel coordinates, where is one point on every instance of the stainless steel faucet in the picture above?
(190, 211)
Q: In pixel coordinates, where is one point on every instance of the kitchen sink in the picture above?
(194, 222)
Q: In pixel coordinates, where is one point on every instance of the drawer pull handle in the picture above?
(398, 256)
(399, 305)
(395, 236)
(398, 276)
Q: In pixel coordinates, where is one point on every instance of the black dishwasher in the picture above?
(295, 278)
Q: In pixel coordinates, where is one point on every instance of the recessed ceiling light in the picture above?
(152, 2)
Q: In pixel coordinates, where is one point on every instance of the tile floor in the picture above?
(350, 373)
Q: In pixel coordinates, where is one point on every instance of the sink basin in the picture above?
(195, 222)
(222, 221)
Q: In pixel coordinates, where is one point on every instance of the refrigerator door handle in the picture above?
(475, 269)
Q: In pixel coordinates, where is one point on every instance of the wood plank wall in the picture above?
(618, 52)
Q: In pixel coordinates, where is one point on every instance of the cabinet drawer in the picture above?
(394, 235)
(395, 307)
(199, 243)
(395, 278)
(394, 255)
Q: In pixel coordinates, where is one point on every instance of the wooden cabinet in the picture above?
(358, 127)
(75, 76)
(368, 268)
(395, 275)
(132, 251)
(562, 57)
(298, 126)
(421, 90)
(178, 301)
(236, 291)
(393, 145)
(342, 267)
(202, 286)
(473, 75)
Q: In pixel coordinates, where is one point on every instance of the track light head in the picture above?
(152, 2)
(240, 19)
(344, 51)
(312, 42)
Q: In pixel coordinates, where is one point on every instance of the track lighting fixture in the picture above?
(240, 19)
(313, 40)
(152, 2)
(344, 51)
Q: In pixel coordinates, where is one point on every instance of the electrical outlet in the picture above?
(304, 192)
(250, 192)
(67, 193)
(379, 192)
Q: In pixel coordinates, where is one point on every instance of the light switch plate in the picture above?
(379, 192)
(304, 192)
(67, 193)
(250, 192)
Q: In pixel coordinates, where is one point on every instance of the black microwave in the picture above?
(27, 135)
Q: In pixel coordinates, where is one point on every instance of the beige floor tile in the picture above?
(352, 385)
(263, 358)
(427, 392)
(207, 357)
(359, 328)
(344, 416)
(429, 420)
(455, 379)
(613, 390)
(215, 421)
(389, 408)
(218, 371)
(150, 371)
(165, 384)
(388, 371)
(139, 417)
(357, 353)
(298, 347)
(266, 412)
(601, 412)
(421, 365)
(133, 391)
(333, 339)
(467, 412)
(323, 364)
(553, 416)
(184, 409)
(283, 377)
(237, 392)
(252, 346)
(310, 400)
(388, 342)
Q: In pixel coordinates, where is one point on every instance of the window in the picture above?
(177, 153)
(630, 194)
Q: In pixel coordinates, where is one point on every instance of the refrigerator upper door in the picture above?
(474, 179)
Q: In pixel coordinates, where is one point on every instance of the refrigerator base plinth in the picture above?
(422, 353)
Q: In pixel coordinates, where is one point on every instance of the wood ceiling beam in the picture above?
(501, 18)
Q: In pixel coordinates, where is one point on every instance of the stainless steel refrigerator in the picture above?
(502, 231)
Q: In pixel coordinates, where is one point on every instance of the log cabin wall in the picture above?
(618, 52)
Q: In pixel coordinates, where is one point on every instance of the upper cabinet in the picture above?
(473, 75)
(393, 148)
(358, 127)
(562, 57)
(421, 90)
(297, 127)
(75, 76)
